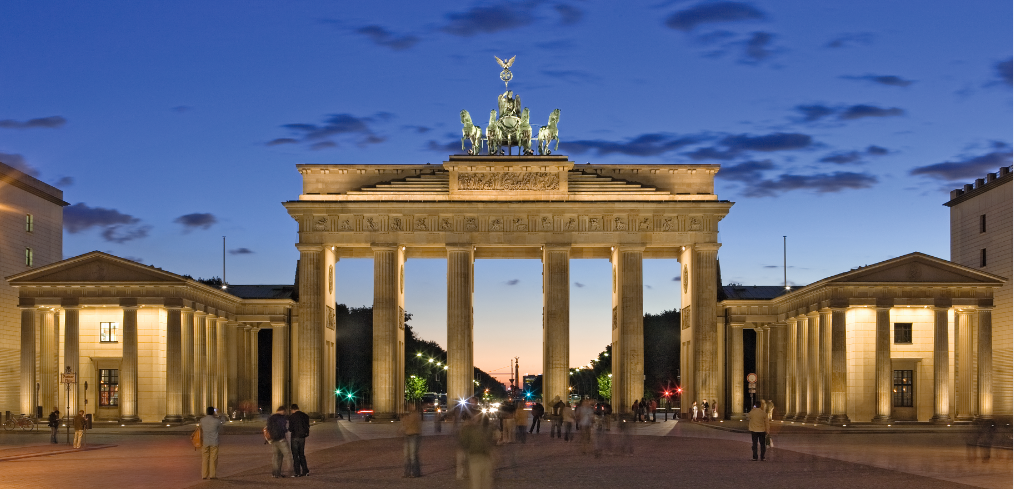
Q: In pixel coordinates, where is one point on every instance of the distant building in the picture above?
(981, 239)
(528, 381)
(31, 235)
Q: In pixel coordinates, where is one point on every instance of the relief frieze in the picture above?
(471, 224)
(536, 181)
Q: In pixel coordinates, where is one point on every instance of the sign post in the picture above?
(68, 378)
(751, 379)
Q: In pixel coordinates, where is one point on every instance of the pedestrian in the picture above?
(652, 406)
(705, 412)
(538, 410)
(476, 440)
(299, 426)
(585, 418)
(79, 428)
(770, 408)
(211, 426)
(54, 424)
(520, 421)
(567, 416)
(556, 418)
(694, 410)
(411, 427)
(507, 423)
(635, 409)
(607, 415)
(759, 426)
(714, 411)
(274, 434)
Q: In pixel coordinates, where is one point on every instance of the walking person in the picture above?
(556, 418)
(274, 433)
(299, 426)
(538, 411)
(635, 409)
(476, 440)
(211, 426)
(706, 412)
(520, 421)
(759, 426)
(652, 407)
(80, 423)
(585, 418)
(770, 409)
(411, 427)
(714, 411)
(54, 424)
(567, 416)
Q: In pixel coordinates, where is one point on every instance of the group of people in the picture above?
(705, 412)
(80, 423)
(643, 410)
(284, 432)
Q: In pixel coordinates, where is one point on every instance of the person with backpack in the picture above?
(211, 426)
(538, 410)
(299, 426)
(54, 424)
(274, 434)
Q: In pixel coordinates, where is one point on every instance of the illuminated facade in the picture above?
(31, 235)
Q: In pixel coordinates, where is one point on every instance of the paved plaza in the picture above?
(358, 454)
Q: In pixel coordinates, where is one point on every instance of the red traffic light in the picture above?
(679, 390)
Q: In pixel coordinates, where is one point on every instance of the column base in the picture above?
(880, 419)
(983, 417)
(172, 418)
(964, 419)
(941, 419)
(129, 420)
(837, 419)
(812, 418)
(823, 419)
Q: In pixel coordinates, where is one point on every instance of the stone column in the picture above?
(71, 348)
(388, 331)
(791, 358)
(556, 322)
(187, 365)
(243, 373)
(28, 377)
(214, 383)
(311, 329)
(628, 328)
(777, 367)
(222, 366)
(279, 363)
(963, 364)
(839, 368)
(824, 366)
(201, 400)
(128, 364)
(736, 403)
(759, 359)
(941, 367)
(232, 380)
(254, 358)
(812, 367)
(985, 362)
(703, 316)
(460, 287)
(883, 377)
(174, 363)
(802, 367)
(49, 376)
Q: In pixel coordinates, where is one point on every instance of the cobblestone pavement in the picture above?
(370, 455)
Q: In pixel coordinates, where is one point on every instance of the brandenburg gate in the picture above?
(494, 206)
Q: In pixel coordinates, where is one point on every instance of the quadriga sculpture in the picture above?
(549, 132)
(470, 132)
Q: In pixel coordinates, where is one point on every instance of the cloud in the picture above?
(51, 122)
(1004, 71)
(967, 169)
(197, 220)
(335, 125)
(820, 183)
(18, 163)
(705, 13)
(569, 14)
(849, 40)
(733, 146)
(241, 251)
(816, 112)
(644, 145)
(846, 157)
(578, 284)
(512, 281)
(382, 37)
(889, 80)
(757, 48)
(647, 286)
(418, 129)
(64, 182)
(861, 110)
(676, 278)
(116, 226)
(451, 148)
(487, 20)
(746, 171)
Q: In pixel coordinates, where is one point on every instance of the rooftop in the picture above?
(980, 186)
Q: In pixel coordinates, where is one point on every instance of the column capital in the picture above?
(812, 314)
(706, 246)
(128, 303)
(466, 247)
(737, 324)
(626, 247)
(70, 303)
(385, 247)
(310, 247)
(558, 247)
(984, 308)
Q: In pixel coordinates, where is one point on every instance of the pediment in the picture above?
(918, 268)
(95, 267)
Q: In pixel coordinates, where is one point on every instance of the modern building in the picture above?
(145, 344)
(981, 238)
(31, 235)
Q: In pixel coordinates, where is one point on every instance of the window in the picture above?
(29, 257)
(982, 257)
(109, 387)
(903, 333)
(107, 332)
(902, 395)
(29, 223)
(982, 223)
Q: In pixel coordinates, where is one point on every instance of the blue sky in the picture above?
(840, 124)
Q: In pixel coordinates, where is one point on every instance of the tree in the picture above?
(605, 385)
(415, 387)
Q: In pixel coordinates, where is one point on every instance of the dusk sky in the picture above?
(842, 125)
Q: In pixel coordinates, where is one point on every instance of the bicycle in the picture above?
(26, 423)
